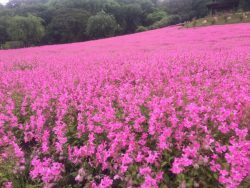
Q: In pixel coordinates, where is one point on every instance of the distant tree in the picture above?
(113, 7)
(101, 25)
(28, 29)
(34, 9)
(3, 30)
(92, 6)
(199, 8)
(155, 16)
(147, 6)
(133, 16)
(37, 8)
(67, 25)
(186, 9)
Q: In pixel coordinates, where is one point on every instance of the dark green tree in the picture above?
(29, 30)
(133, 17)
(3, 30)
(186, 9)
(101, 25)
(155, 16)
(114, 8)
(67, 25)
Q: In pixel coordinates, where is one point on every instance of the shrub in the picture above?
(141, 29)
(29, 29)
(166, 21)
(101, 25)
(13, 44)
(156, 16)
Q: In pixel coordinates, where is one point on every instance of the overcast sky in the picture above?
(4, 1)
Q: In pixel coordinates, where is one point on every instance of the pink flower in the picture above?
(8, 185)
(180, 163)
(46, 169)
(144, 171)
(149, 182)
(106, 182)
(168, 97)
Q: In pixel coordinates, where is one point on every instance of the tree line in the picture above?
(38, 22)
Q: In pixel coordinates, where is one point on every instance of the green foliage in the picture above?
(186, 9)
(12, 44)
(3, 31)
(67, 25)
(119, 112)
(20, 179)
(141, 28)
(166, 21)
(133, 17)
(101, 25)
(27, 29)
(156, 16)
(147, 6)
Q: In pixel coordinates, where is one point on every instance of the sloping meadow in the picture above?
(163, 108)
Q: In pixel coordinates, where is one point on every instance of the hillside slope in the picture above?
(169, 39)
(163, 108)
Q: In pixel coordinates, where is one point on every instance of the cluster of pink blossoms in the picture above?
(169, 107)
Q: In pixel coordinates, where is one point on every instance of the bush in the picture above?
(101, 25)
(28, 29)
(13, 44)
(194, 23)
(166, 21)
(156, 16)
(141, 29)
(3, 30)
(68, 25)
(174, 19)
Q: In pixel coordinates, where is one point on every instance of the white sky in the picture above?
(3, 1)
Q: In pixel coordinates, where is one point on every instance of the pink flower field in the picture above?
(165, 108)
